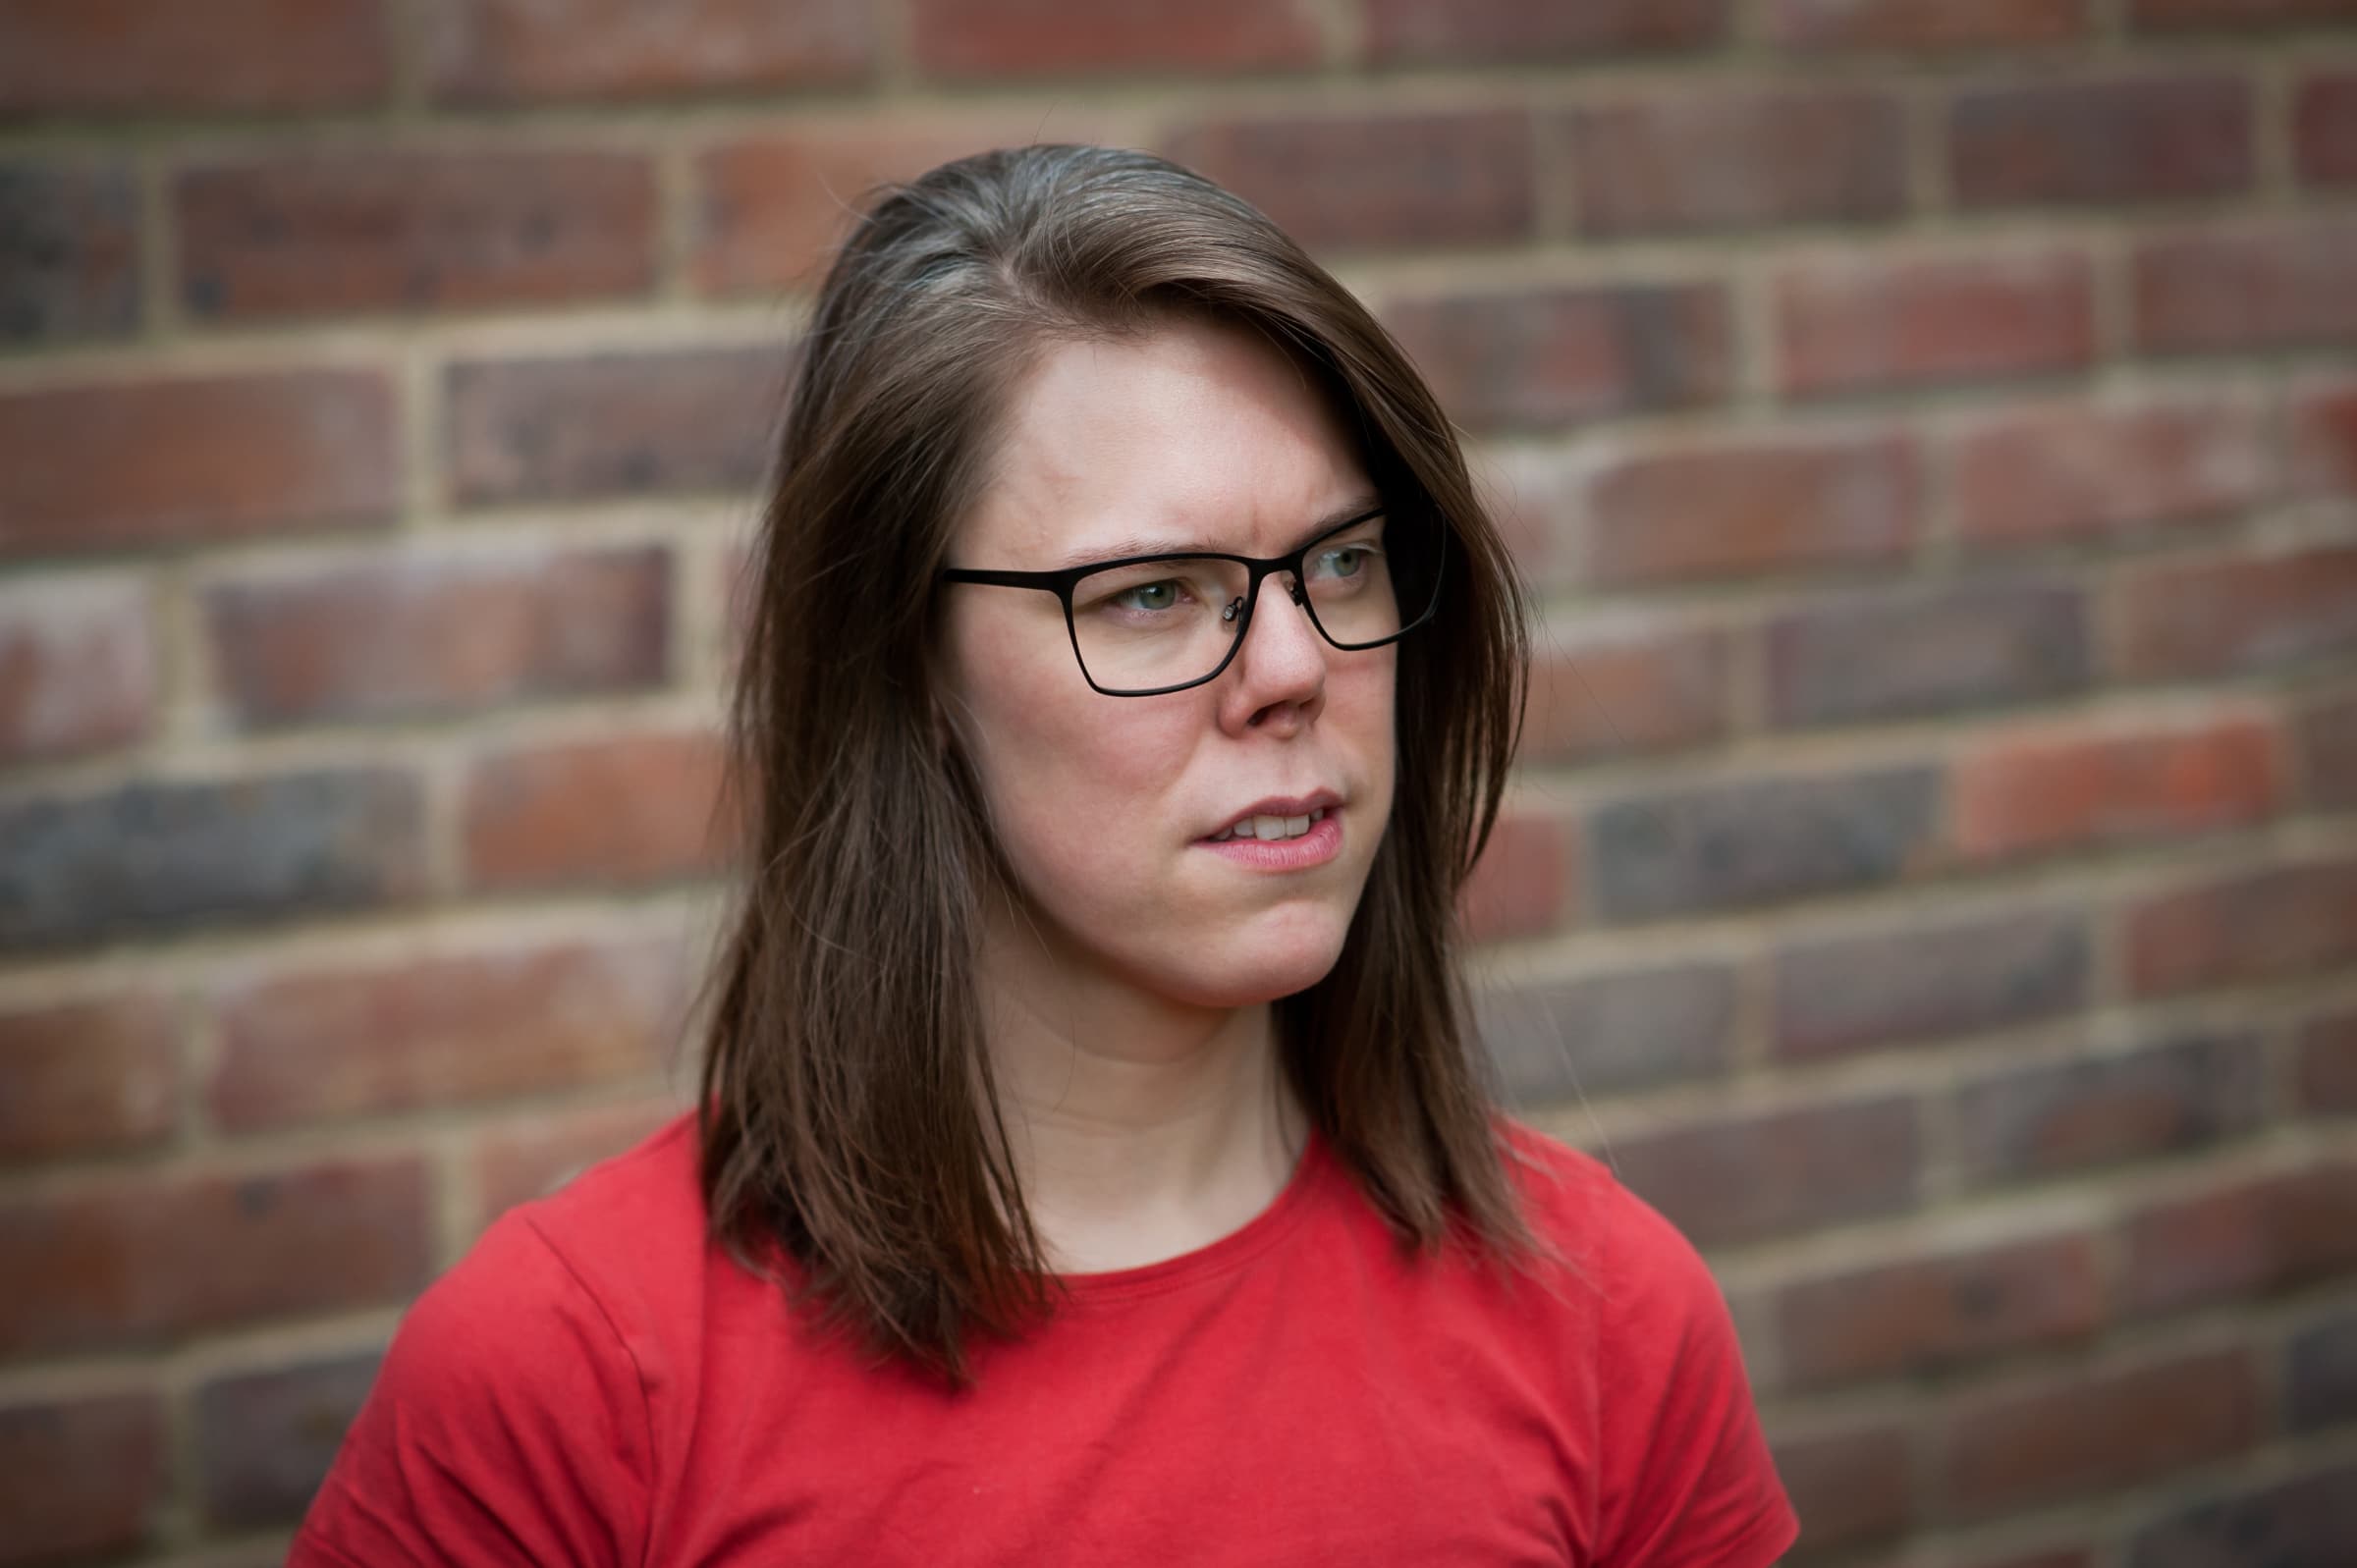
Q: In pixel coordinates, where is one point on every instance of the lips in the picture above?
(1277, 818)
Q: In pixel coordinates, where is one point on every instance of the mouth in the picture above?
(1279, 818)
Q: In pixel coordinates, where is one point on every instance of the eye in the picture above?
(1343, 560)
(1161, 595)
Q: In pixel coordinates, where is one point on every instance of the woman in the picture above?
(1090, 1166)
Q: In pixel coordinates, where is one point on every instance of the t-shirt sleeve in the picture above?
(508, 1425)
(1686, 1477)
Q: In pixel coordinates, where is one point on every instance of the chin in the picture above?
(1244, 972)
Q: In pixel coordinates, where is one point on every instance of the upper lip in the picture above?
(1282, 806)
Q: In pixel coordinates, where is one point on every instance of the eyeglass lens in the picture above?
(1171, 620)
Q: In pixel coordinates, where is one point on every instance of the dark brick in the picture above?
(2109, 140)
(1712, 846)
(1923, 1314)
(2269, 923)
(143, 57)
(155, 857)
(1423, 32)
(1599, 692)
(1925, 26)
(143, 1258)
(517, 52)
(219, 456)
(1856, 993)
(1598, 1033)
(1914, 654)
(2241, 16)
(612, 425)
(2281, 286)
(2327, 1069)
(69, 253)
(1684, 162)
(2306, 1522)
(1863, 323)
(78, 665)
(319, 233)
(2055, 1117)
(264, 1439)
(410, 635)
(2085, 1433)
(1565, 356)
(2324, 129)
(2242, 1241)
(2061, 787)
(1852, 1485)
(1397, 179)
(2213, 616)
(86, 1076)
(81, 1477)
(1746, 1175)
(981, 39)
(2320, 1376)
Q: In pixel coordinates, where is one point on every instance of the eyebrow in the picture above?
(1142, 545)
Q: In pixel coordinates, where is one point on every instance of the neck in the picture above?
(1140, 1126)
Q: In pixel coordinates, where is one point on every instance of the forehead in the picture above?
(1193, 433)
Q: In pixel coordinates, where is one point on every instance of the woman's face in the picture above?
(1106, 808)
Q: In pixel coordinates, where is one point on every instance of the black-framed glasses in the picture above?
(1144, 625)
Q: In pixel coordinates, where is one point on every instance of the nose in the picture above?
(1281, 670)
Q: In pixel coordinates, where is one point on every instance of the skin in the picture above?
(1126, 976)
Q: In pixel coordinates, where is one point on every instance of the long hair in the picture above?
(850, 1126)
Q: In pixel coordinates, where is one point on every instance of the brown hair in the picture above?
(847, 1115)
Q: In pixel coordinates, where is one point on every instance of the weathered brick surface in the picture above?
(2323, 128)
(1913, 654)
(1685, 162)
(2217, 615)
(1396, 178)
(81, 1477)
(1419, 32)
(2323, 438)
(2277, 285)
(2269, 923)
(2326, 1070)
(520, 51)
(121, 57)
(219, 456)
(1924, 25)
(409, 634)
(1843, 995)
(533, 1158)
(2060, 473)
(264, 1439)
(2243, 1239)
(2058, 790)
(85, 1076)
(2190, 15)
(1611, 692)
(69, 251)
(324, 234)
(1749, 1176)
(2048, 1118)
(157, 858)
(1852, 323)
(1852, 1485)
(617, 810)
(1605, 1032)
(2320, 1372)
(2110, 139)
(1526, 880)
(979, 39)
(78, 665)
(2304, 1522)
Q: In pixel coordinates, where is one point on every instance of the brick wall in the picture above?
(1933, 426)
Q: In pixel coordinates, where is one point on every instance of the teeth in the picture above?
(1269, 828)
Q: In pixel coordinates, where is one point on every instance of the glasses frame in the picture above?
(1062, 582)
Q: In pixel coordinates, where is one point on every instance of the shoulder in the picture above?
(1605, 1232)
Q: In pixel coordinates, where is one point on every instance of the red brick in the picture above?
(509, 51)
(1597, 692)
(219, 456)
(1755, 508)
(1537, 498)
(542, 1152)
(2059, 472)
(103, 57)
(1909, 652)
(619, 810)
(1925, 26)
(1450, 32)
(87, 1076)
(78, 667)
(1565, 356)
(2115, 139)
(2269, 923)
(2185, 620)
(2324, 129)
(1525, 882)
(2081, 1433)
(1684, 162)
(444, 1030)
(1850, 324)
(610, 426)
(2050, 1117)
(1742, 1176)
(2324, 437)
(2282, 286)
(773, 207)
(1851, 1485)
(317, 233)
(1399, 178)
(2325, 1073)
(970, 38)
(409, 635)
(81, 1476)
(142, 1259)
(2059, 790)
(69, 251)
(2187, 16)
(2327, 743)
(1924, 1313)
(2242, 1241)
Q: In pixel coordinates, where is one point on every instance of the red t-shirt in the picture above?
(594, 1385)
